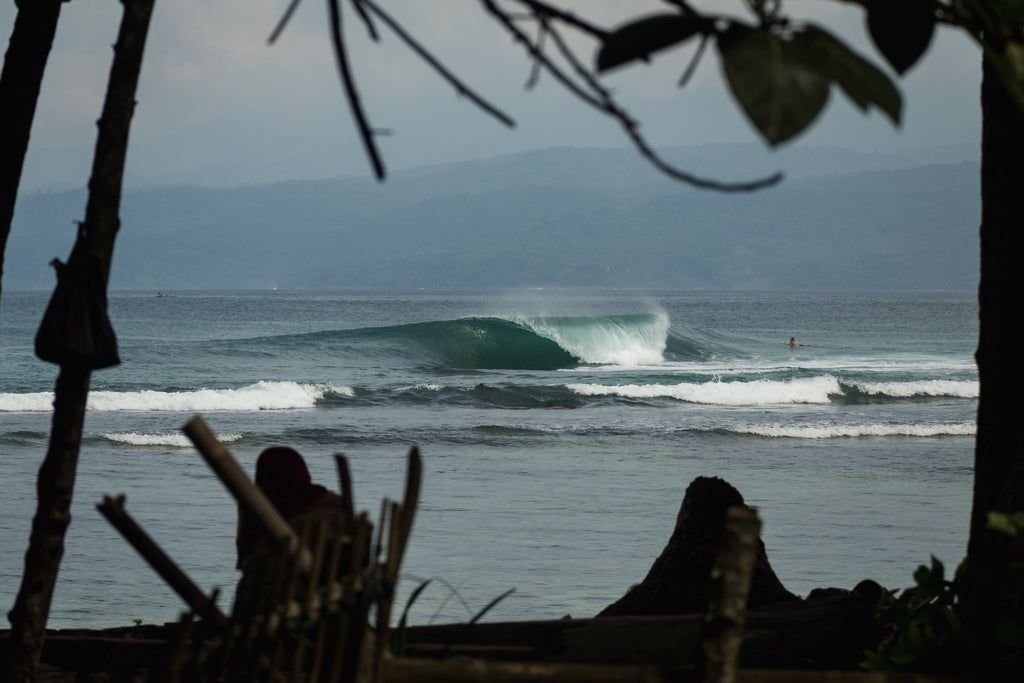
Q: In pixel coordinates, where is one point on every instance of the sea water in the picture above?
(559, 431)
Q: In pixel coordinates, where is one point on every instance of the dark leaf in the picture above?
(638, 40)
(772, 81)
(901, 29)
(1007, 523)
(864, 83)
(922, 576)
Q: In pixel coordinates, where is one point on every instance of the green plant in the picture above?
(926, 632)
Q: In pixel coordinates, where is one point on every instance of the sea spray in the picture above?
(623, 340)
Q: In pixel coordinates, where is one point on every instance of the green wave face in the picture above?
(478, 343)
(487, 343)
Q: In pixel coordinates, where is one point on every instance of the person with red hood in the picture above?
(282, 475)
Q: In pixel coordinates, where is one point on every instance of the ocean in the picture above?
(559, 430)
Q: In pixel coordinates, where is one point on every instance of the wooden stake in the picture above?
(248, 495)
(730, 576)
(194, 597)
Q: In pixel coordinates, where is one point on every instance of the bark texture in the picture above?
(96, 241)
(22, 75)
(995, 564)
(679, 581)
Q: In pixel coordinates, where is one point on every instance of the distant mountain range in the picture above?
(561, 217)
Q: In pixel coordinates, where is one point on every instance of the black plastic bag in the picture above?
(75, 331)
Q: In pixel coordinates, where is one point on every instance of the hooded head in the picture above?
(282, 474)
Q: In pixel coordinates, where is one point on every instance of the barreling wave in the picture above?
(521, 343)
(482, 343)
(259, 396)
(858, 431)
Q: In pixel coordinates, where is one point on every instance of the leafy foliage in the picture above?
(927, 631)
(782, 79)
(901, 30)
(1011, 524)
(862, 82)
(639, 39)
(780, 73)
(776, 88)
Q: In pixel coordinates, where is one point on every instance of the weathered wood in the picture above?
(249, 496)
(679, 580)
(482, 671)
(345, 481)
(194, 597)
(96, 241)
(730, 583)
(479, 671)
(401, 527)
(823, 632)
(27, 53)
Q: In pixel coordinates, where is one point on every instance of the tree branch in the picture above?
(595, 95)
(365, 132)
(426, 56)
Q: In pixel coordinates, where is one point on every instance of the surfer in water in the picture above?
(792, 342)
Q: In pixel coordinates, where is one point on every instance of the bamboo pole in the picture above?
(248, 495)
(345, 478)
(730, 579)
(194, 597)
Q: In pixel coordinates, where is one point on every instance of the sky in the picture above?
(218, 105)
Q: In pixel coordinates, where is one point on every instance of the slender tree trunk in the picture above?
(20, 79)
(995, 587)
(57, 474)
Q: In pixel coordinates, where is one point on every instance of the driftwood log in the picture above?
(679, 581)
(827, 632)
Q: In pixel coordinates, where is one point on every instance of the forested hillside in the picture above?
(546, 218)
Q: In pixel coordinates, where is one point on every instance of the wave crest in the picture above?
(854, 431)
(934, 388)
(172, 440)
(757, 392)
(260, 396)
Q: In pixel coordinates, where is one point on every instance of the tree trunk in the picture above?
(57, 474)
(20, 79)
(993, 589)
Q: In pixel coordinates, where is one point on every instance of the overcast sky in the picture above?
(216, 102)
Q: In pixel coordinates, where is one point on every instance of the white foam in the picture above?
(934, 387)
(758, 392)
(426, 386)
(848, 431)
(38, 402)
(259, 396)
(608, 341)
(172, 440)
